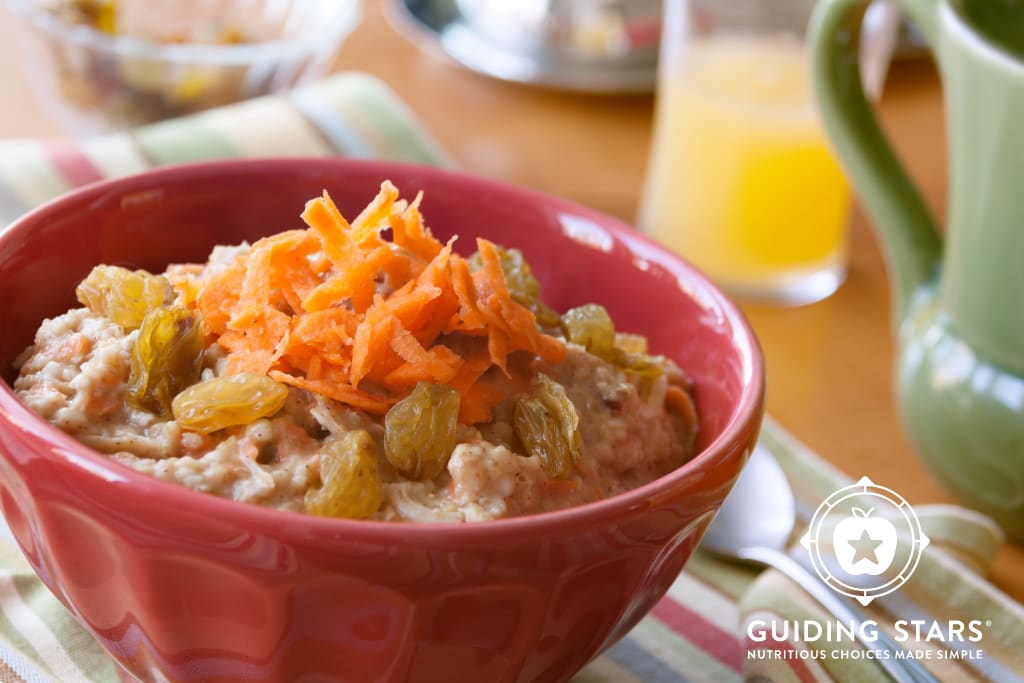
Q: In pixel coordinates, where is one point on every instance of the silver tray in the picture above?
(443, 27)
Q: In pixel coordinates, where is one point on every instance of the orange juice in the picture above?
(740, 180)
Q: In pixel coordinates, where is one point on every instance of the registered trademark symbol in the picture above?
(988, 622)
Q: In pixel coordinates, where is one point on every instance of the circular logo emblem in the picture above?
(865, 541)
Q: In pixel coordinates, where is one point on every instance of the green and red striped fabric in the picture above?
(351, 115)
(697, 633)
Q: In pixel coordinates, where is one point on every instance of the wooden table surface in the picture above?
(829, 364)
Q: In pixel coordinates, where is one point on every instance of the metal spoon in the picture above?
(755, 524)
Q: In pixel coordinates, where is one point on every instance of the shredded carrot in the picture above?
(491, 273)
(219, 293)
(256, 348)
(338, 310)
(439, 364)
(471, 371)
(415, 237)
(468, 317)
(366, 226)
(479, 402)
(338, 392)
(678, 401)
(497, 347)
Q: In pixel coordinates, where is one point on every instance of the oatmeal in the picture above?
(421, 387)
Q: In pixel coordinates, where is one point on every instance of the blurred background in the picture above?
(506, 143)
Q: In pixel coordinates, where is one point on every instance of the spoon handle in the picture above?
(904, 670)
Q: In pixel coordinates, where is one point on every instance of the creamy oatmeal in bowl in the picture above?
(361, 370)
(178, 584)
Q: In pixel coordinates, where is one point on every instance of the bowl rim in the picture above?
(744, 423)
(239, 54)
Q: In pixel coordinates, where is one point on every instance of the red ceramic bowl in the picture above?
(184, 586)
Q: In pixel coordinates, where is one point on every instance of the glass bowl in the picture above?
(100, 65)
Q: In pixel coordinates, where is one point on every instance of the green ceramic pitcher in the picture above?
(958, 300)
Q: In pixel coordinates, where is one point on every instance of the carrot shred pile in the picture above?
(341, 311)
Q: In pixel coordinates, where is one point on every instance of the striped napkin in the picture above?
(350, 115)
(699, 632)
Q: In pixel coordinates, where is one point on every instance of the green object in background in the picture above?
(1000, 21)
(958, 302)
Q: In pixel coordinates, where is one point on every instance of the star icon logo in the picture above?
(864, 540)
(864, 548)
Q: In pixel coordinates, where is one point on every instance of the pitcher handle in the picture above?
(903, 223)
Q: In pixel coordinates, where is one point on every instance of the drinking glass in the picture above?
(740, 178)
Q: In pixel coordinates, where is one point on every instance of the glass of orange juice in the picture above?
(740, 179)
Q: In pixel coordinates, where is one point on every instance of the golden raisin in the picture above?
(222, 402)
(631, 343)
(420, 431)
(167, 356)
(547, 424)
(591, 327)
(351, 482)
(123, 296)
